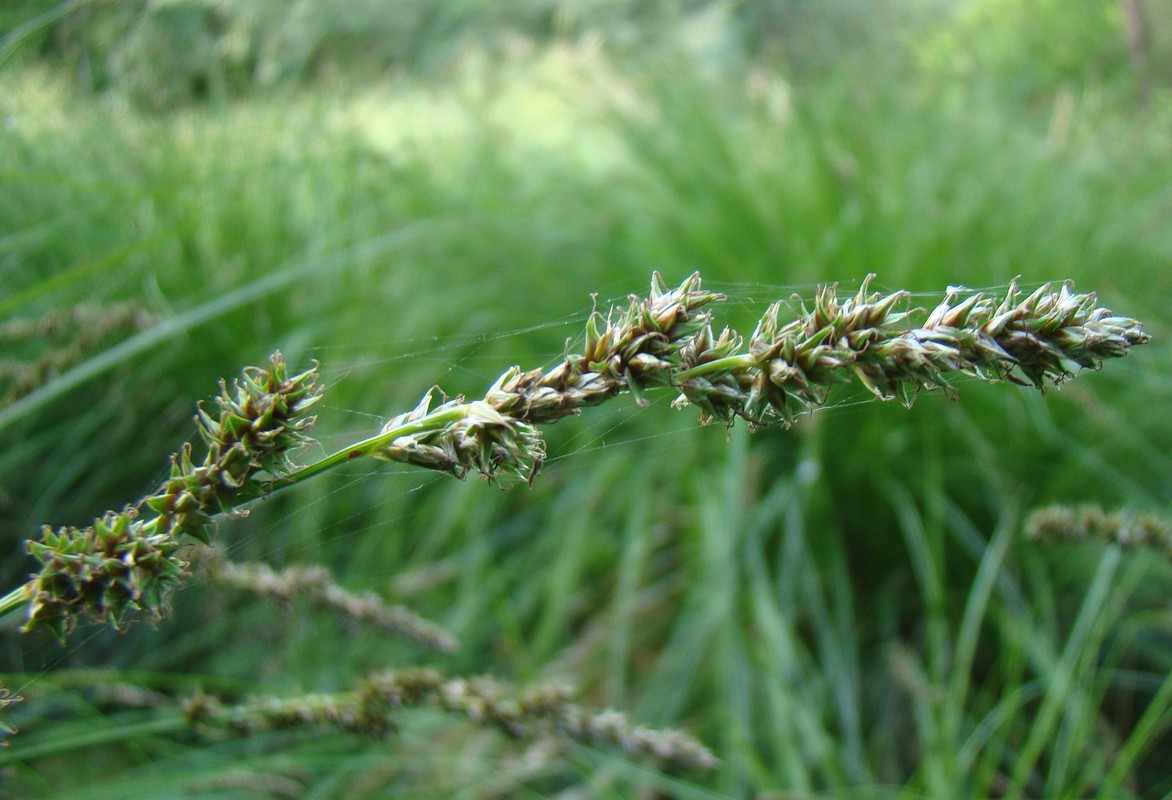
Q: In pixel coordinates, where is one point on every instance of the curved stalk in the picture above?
(365, 448)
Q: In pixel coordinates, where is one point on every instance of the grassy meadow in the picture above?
(845, 609)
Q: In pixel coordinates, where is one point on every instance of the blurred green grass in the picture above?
(845, 608)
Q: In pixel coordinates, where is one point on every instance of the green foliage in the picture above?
(168, 53)
(160, 54)
(1032, 47)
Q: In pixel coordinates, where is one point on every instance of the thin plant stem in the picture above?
(364, 448)
(15, 599)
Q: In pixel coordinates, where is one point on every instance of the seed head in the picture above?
(111, 569)
(1060, 523)
(123, 564)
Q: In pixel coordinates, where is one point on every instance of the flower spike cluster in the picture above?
(116, 565)
(461, 437)
(1125, 528)
(633, 350)
(373, 709)
(262, 419)
(317, 586)
(788, 368)
(122, 564)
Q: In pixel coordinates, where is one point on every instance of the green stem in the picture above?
(15, 599)
(367, 447)
(726, 364)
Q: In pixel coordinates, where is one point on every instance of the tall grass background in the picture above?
(844, 609)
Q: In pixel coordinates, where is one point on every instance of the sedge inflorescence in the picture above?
(874, 338)
(372, 709)
(667, 339)
(1059, 523)
(630, 349)
(317, 585)
(125, 563)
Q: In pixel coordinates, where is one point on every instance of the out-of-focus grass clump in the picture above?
(845, 608)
